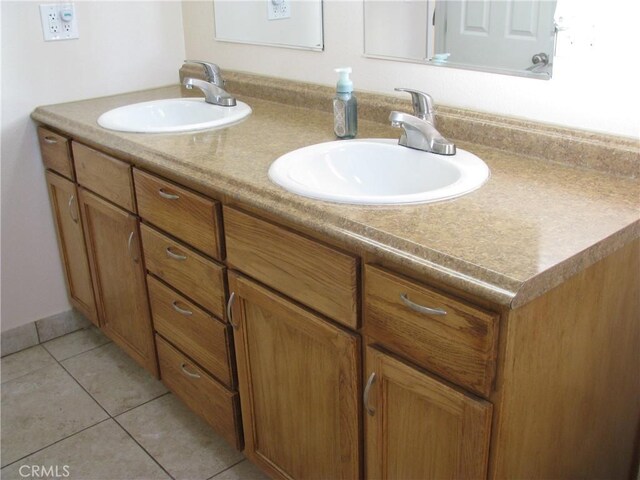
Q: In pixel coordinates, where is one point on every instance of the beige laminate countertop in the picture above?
(531, 226)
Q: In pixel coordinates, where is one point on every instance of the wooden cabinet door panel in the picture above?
(66, 216)
(420, 428)
(298, 378)
(113, 242)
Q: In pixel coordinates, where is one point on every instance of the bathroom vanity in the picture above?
(496, 335)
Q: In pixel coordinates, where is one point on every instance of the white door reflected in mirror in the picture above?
(502, 36)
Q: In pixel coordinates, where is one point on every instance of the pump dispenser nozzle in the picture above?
(345, 85)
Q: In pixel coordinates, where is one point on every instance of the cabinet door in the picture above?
(298, 378)
(419, 428)
(115, 256)
(66, 216)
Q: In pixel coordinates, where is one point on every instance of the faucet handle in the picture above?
(211, 70)
(422, 103)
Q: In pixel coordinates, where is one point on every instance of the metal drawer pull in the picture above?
(50, 140)
(129, 246)
(168, 196)
(175, 256)
(372, 379)
(71, 209)
(420, 308)
(187, 372)
(232, 297)
(183, 311)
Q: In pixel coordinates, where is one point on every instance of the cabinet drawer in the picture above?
(56, 153)
(186, 215)
(206, 397)
(307, 271)
(107, 176)
(459, 345)
(192, 330)
(196, 276)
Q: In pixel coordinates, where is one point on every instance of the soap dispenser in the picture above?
(345, 107)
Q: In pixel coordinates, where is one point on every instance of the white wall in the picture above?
(123, 46)
(597, 90)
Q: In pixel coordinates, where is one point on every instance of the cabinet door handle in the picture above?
(420, 308)
(175, 256)
(367, 389)
(183, 367)
(168, 196)
(130, 247)
(232, 298)
(72, 210)
(182, 311)
(50, 140)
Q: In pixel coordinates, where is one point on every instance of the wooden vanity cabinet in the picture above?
(66, 216)
(299, 385)
(115, 256)
(426, 351)
(182, 243)
(63, 195)
(417, 427)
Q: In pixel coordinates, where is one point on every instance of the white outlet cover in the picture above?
(278, 9)
(53, 26)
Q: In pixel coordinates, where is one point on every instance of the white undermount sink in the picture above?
(172, 115)
(377, 172)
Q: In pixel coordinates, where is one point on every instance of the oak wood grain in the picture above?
(194, 331)
(307, 271)
(117, 270)
(570, 385)
(460, 346)
(73, 251)
(299, 384)
(189, 216)
(56, 152)
(201, 393)
(421, 428)
(107, 176)
(194, 275)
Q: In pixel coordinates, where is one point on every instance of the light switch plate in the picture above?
(59, 21)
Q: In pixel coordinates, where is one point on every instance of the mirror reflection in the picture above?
(504, 36)
(282, 23)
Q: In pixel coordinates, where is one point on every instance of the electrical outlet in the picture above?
(278, 9)
(59, 21)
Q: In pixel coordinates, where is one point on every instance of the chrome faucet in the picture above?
(420, 128)
(212, 87)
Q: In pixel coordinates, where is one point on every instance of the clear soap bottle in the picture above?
(345, 106)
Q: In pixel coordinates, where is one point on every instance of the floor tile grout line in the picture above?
(144, 449)
(143, 403)
(58, 441)
(85, 390)
(228, 468)
(31, 371)
(79, 353)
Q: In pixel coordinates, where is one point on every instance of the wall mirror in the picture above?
(282, 23)
(515, 37)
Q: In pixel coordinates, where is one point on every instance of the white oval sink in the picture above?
(377, 172)
(172, 115)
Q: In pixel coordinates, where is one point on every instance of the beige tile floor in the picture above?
(80, 404)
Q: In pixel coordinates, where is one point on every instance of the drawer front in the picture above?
(192, 330)
(194, 275)
(107, 176)
(460, 345)
(307, 271)
(218, 406)
(186, 215)
(56, 152)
